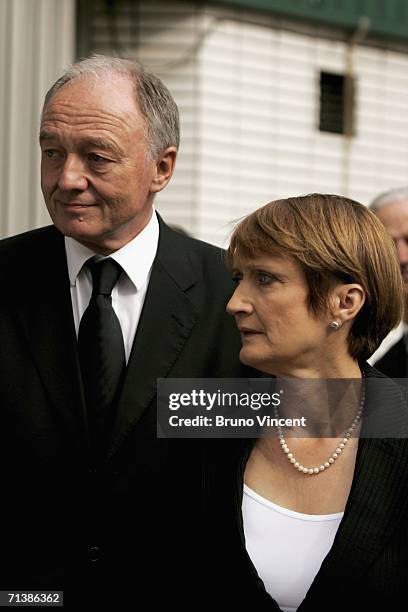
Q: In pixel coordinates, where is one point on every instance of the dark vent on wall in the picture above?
(336, 103)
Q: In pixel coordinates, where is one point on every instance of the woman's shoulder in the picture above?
(386, 405)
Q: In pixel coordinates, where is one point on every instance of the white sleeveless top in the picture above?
(286, 547)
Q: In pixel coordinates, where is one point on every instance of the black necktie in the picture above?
(101, 352)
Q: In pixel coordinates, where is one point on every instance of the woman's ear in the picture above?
(346, 303)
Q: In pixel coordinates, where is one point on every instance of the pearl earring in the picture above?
(335, 325)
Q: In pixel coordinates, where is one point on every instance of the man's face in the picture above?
(395, 219)
(97, 178)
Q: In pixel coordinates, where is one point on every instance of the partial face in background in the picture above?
(97, 178)
(270, 306)
(395, 219)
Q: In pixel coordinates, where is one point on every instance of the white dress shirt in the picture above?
(389, 341)
(128, 295)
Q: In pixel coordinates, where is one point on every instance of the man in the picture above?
(392, 208)
(92, 502)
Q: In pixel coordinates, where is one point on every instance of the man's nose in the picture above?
(239, 302)
(72, 176)
(402, 250)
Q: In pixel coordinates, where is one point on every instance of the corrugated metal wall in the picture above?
(259, 116)
(36, 41)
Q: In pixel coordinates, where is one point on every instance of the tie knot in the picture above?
(105, 275)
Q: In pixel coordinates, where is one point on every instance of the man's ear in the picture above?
(347, 301)
(165, 165)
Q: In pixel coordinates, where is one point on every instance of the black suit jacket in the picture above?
(124, 532)
(367, 566)
(395, 361)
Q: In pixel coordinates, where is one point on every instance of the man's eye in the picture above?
(236, 279)
(50, 153)
(97, 158)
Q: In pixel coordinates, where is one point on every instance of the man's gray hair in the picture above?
(389, 197)
(154, 100)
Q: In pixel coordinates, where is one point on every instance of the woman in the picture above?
(314, 523)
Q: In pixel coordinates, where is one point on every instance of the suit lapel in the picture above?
(376, 505)
(165, 324)
(44, 313)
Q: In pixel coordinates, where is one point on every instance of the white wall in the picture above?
(170, 35)
(259, 102)
(36, 42)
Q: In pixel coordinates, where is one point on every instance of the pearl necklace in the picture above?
(316, 470)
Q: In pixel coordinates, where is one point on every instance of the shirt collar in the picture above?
(136, 257)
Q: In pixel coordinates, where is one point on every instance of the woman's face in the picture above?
(280, 334)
